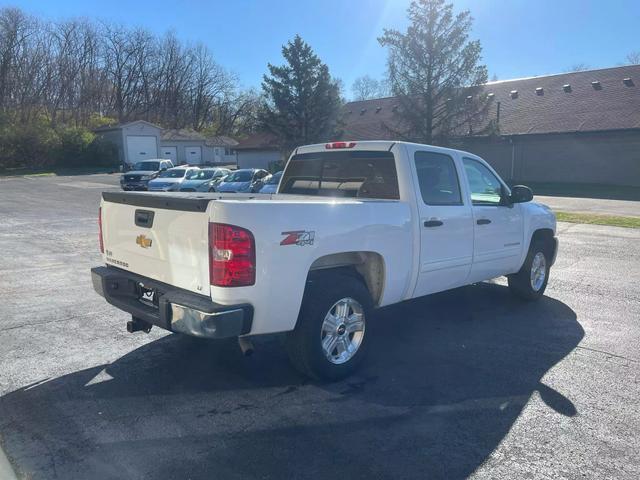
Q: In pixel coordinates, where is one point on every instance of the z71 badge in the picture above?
(299, 237)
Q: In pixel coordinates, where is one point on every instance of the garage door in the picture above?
(194, 155)
(141, 147)
(170, 153)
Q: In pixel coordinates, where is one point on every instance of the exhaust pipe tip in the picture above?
(246, 346)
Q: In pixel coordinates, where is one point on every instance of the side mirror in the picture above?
(521, 194)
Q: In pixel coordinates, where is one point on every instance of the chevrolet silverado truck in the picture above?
(353, 226)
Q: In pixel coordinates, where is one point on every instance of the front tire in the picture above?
(331, 336)
(531, 281)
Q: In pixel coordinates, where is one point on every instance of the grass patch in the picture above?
(593, 219)
(583, 190)
(62, 171)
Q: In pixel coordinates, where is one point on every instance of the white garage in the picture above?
(141, 147)
(193, 155)
(170, 153)
(135, 141)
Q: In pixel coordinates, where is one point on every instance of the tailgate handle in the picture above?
(144, 218)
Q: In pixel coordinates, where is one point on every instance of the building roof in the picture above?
(181, 134)
(122, 125)
(541, 105)
(220, 141)
(184, 134)
(258, 141)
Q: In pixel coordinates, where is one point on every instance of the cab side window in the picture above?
(438, 179)
(484, 186)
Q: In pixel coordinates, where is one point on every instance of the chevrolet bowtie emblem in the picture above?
(143, 241)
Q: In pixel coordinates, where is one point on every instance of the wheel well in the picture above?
(368, 266)
(544, 235)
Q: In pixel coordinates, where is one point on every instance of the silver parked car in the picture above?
(203, 180)
(170, 180)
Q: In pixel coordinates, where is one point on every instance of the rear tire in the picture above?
(330, 338)
(531, 281)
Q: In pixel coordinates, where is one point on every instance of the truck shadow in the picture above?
(448, 377)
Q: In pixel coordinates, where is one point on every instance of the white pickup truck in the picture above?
(353, 226)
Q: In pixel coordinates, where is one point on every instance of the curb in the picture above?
(6, 470)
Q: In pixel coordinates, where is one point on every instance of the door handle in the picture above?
(433, 223)
(483, 221)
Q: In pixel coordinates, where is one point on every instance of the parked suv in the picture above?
(138, 178)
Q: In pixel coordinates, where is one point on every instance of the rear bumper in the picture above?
(178, 310)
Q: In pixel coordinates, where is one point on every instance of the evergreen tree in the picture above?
(435, 73)
(302, 101)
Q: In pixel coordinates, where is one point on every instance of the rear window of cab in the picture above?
(351, 174)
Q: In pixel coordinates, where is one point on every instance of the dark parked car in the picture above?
(246, 180)
(138, 178)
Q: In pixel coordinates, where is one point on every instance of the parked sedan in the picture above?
(171, 180)
(203, 180)
(271, 185)
(247, 180)
(142, 173)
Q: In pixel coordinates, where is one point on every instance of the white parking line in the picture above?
(87, 185)
(6, 470)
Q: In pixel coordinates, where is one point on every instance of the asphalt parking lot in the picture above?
(468, 383)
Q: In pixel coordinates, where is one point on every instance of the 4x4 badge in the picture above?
(299, 237)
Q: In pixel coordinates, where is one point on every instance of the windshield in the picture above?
(173, 173)
(200, 175)
(239, 176)
(275, 179)
(149, 166)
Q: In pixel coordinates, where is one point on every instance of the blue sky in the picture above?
(519, 37)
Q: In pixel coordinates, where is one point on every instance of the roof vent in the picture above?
(491, 95)
(539, 91)
(628, 82)
(363, 111)
(469, 98)
(514, 93)
(596, 85)
(566, 87)
(378, 109)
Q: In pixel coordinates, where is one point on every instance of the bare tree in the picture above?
(366, 88)
(579, 67)
(633, 58)
(72, 71)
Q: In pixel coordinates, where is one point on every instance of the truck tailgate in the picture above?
(162, 237)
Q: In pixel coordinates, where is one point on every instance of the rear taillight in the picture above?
(100, 230)
(335, 145)
(232, 256)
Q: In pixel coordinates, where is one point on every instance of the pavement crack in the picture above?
(608, 353)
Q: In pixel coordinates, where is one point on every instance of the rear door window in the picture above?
(438, 179)
(354, 174)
